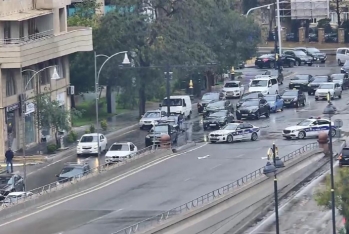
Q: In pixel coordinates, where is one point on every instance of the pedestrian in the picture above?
(9, 157)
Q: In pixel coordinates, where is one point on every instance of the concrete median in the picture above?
(230, 212)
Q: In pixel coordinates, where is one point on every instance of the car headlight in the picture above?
(295, 99)
(309, 85)
(254, 110)
(147, 136)
(95, 147)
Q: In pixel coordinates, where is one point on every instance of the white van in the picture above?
(178, 105)
(342, 55)
(265, 85)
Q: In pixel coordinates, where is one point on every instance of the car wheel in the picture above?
(291, 64)
(301, 135)
(339, 62)
(258, 115)
(333, 132)
(310, 64)
(309, 93)
(267, 114)
(316, 99)
(340, 95)
(254, 136)
(299, 63)
(212, 142)
(332, 97)
(297, 104)
(271, 65)
(230, 139)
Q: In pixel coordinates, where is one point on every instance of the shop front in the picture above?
(12, 119)
(30, 131)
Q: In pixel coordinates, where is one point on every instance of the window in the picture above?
(21, 30)
(246, 125)
(10, 84)
(322, 122)
(7, 31)
(273, 81)
(132, 147)
(45, 75)
(26, 77)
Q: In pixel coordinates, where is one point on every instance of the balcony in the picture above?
(51, 4)
(43, 46)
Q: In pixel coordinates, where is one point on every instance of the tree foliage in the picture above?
(50, 114)
(341, 185)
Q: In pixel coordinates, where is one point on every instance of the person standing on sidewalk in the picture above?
(9, 157)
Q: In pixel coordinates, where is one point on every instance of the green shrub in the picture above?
(104, 125)
(87, 131)
(72, 137)
(92, 129)
(51, 148)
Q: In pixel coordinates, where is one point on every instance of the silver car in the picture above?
(333, 89)
(150, 117)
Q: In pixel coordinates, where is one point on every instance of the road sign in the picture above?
(338, 123)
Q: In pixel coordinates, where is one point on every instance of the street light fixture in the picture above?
(55, 76)
(330, 110)
(125, 61)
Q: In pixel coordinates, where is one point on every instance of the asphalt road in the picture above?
(172, 182)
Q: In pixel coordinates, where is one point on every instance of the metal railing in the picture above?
(27, 39)
(209, 197)
(55, 186)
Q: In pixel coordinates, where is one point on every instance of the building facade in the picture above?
(34, 35)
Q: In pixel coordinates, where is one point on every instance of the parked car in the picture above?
(301, 82)
(341, 79)
(345, 68)
(300, 57)
(268, 60)
(15, 197)
(88, 144)
(265, 85)
(253, 108)
(217, 106)
(10, 183)
(334, 89)
(275, 102)
(312, 87)
(344, 157)
(206, 99)
(72, 170)
(148, 119)
(233, 89)
(293, 98)
(314, 53)
(342, 55)
(119, 152)
(247, 96)
(218, 119)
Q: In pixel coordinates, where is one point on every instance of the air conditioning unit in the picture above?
(71, 90)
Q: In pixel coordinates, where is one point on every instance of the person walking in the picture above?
(9, 157)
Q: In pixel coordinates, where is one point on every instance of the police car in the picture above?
(235, 131)
(309, 128)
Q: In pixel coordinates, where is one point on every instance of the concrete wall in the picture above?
(227, 212)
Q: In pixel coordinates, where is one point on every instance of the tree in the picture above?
(52, 115)
(341, 185)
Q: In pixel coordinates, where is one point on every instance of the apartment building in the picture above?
(33, 36)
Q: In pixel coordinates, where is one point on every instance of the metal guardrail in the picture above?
(55, 186)
(27, 39)
(209, 197)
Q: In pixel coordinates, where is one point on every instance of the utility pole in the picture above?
(168, 77)
(338, 13)
(276, 193)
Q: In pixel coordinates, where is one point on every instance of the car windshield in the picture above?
(173, 102)
(299, 53)
(305, 122)
(259, 83)
(210, 96)
(290, 93)
(326, 86)
(78, 170)
(119, 147)
(320, 79)
(231, 85)
(345, 152)
(6, 180)
(300, 77)
(249, 95)
(150, 114)
(215, 104)
(251, 103)
(270, 98)
(219, 114)
(161, 128)
(313, 50)
(337, 76)
(230, 127)
(88, 139)
(266, 55)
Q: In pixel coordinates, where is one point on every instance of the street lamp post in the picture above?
(55, 76)
(126, 61)
(331, 110)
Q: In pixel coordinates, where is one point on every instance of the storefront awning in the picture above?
(25, 15)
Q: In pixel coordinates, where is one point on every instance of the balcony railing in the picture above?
(27, 39)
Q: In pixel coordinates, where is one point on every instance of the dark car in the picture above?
(300, 57)
(206, 99)
(344, 157)
(218, 119)
(314, 53)
(345, 68)
(293, 98)
(247, 96)
(300, 82)
(312, 87)
(217, 106)
(162, 128)
(253, 108)
(72, 170)
(268, 60)
(342, 79)
(10, 183)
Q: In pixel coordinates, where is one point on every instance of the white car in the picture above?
(236, 131)
(149, 118)
(15, 197)
(233, 89)
(265, 85)
(309, 128)
(334, 89)
(120, 151)
(88, 144)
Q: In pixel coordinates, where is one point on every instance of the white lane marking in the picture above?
(53, 163)
(204, 157)
(239, 156)
(215, 166)
(187, 179)
(98, 187)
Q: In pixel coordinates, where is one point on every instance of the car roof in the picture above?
(233, 81)
(92, 134)
(154, 110)
(264, 77)
(331, 83)
(17, 193)
(119, 143)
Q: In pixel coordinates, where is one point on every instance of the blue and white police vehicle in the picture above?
(309, 128)
(235, 131)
